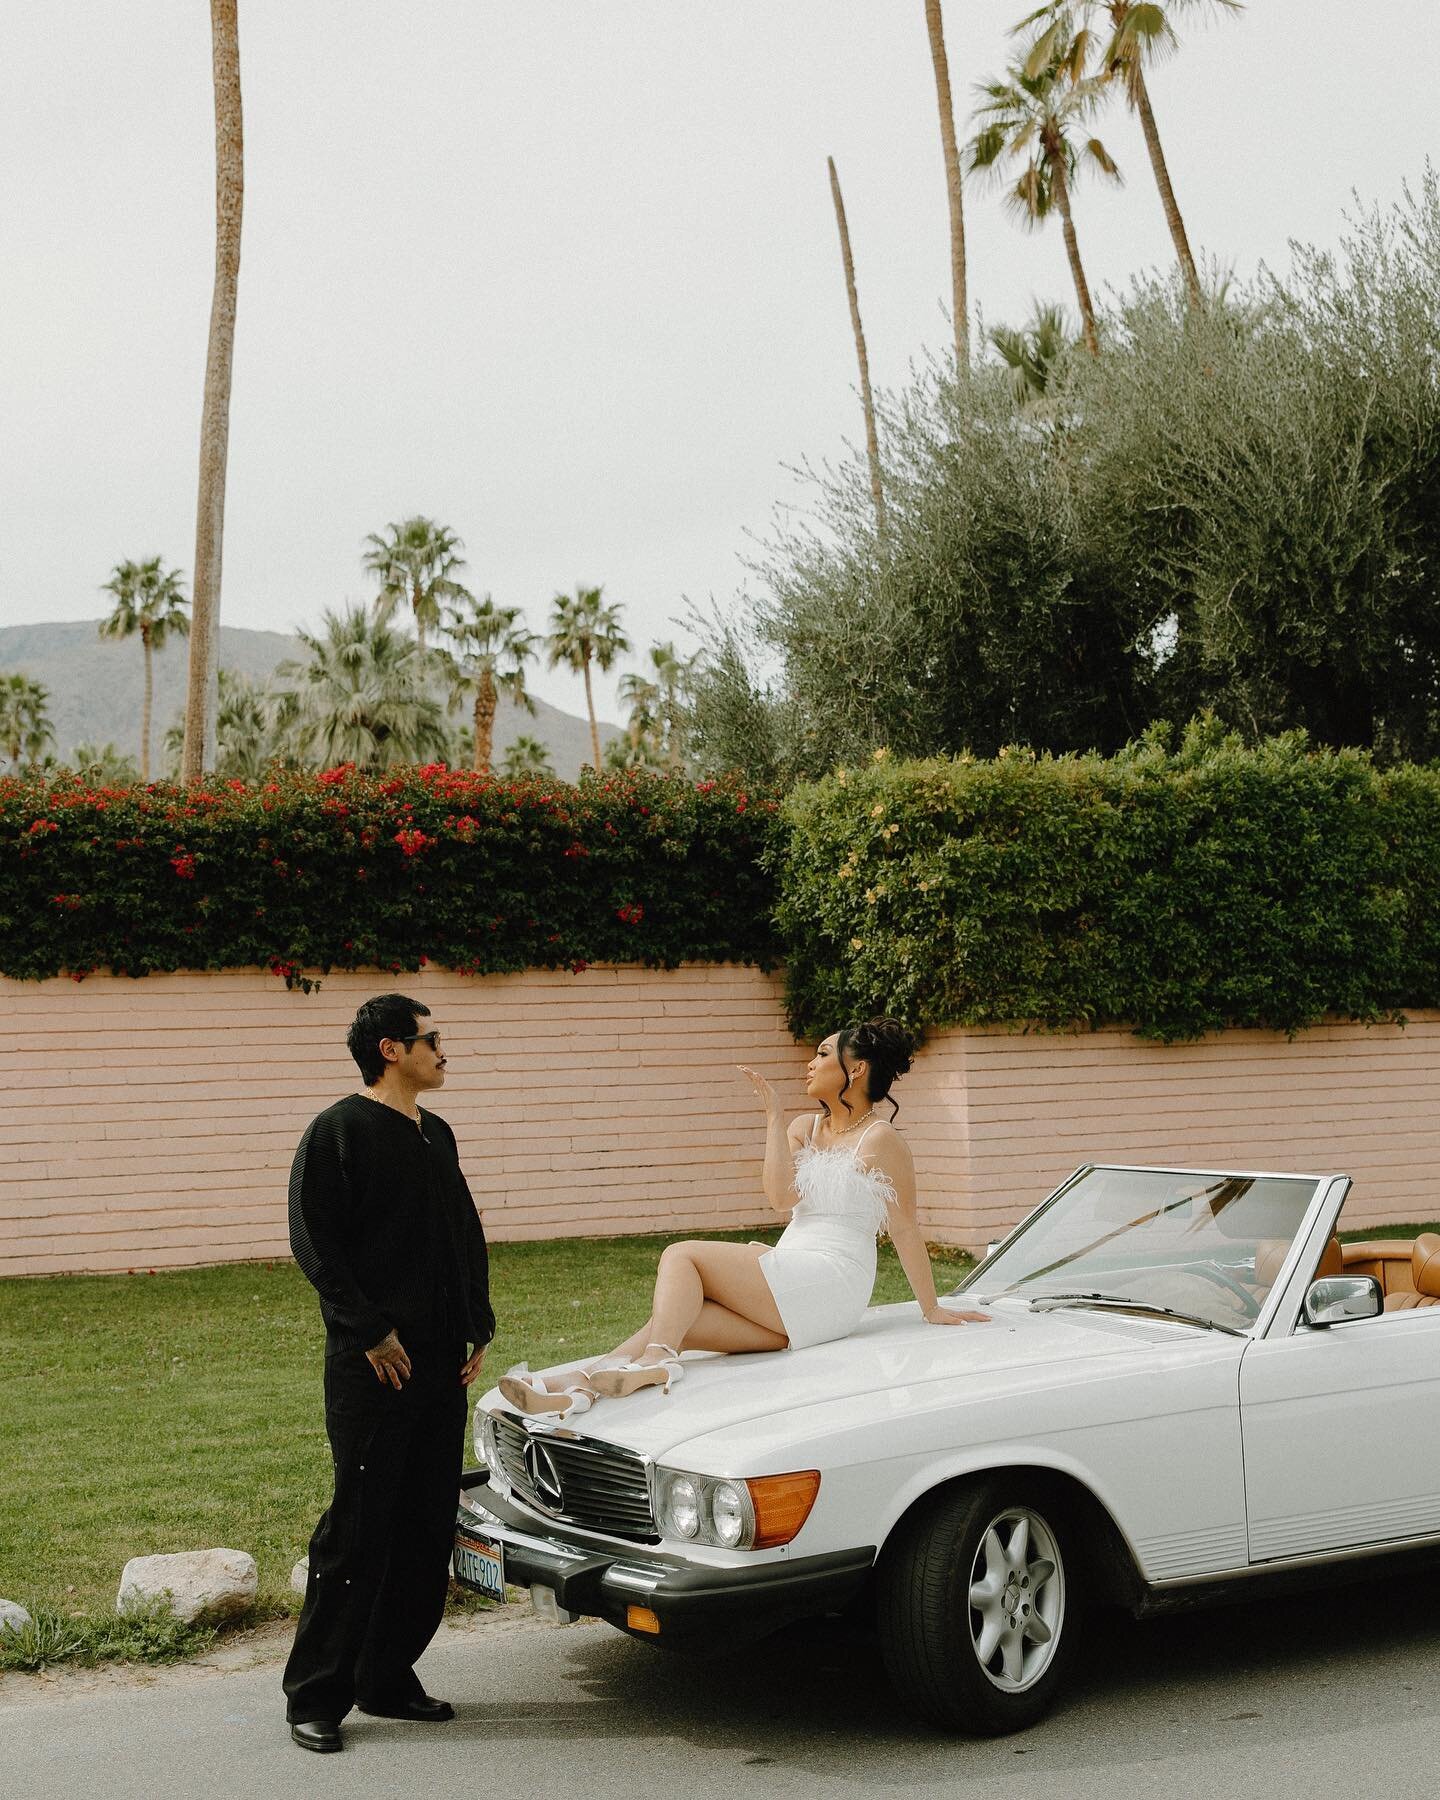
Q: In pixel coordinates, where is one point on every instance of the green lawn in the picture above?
(182, 1410)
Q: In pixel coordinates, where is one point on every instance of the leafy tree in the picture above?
(24, 718)
(149, 605)
(359, 697)
(416, 563)
(492, 649)
(584, 630)
(526, 756)
(1035, 118)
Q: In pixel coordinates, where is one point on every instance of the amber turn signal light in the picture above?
(640, 1618)
(782, 1505)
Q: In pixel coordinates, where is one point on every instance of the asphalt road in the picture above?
(1333, 1694)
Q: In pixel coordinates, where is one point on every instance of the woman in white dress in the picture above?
(842, 1175)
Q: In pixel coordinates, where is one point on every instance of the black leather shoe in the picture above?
(423, 1710)
(322, 1735)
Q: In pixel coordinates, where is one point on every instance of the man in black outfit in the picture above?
(382, 1223)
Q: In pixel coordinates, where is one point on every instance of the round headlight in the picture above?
(685, 1506)
(728, 1513)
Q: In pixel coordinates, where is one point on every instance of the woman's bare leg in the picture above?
(694, 1272)
(718, 1328)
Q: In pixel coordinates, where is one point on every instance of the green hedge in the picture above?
(1178, 891)
(339, 870)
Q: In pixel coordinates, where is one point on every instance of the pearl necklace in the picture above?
(855, 1126)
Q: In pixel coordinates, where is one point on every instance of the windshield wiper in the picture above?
(1119, 1303)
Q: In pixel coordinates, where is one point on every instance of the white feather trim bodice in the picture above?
(835, 1186)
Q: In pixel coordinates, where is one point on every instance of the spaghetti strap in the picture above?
(862, 1137)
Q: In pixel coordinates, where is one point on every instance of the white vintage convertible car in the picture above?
(1187, 1387)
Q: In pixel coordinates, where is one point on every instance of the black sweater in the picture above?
(382, 1223)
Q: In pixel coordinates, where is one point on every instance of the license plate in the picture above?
(481, 1565)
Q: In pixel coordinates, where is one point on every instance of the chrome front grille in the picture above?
(600, 1486)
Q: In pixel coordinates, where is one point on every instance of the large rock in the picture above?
(199, 1584)
(300, 1575)
(13, 1616)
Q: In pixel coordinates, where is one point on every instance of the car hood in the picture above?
(891, 1349)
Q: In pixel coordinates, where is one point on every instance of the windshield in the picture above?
(1209, 1246)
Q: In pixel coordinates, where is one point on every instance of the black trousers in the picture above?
(379, 1559)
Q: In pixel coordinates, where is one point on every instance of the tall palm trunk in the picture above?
(590, 708)
(485, 702)
(935, 25)
(1140, 94)
(215, 412)
(1072, 250)
(146, 705)
(867, 399)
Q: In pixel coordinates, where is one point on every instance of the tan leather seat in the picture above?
(1270, 1253)
(1425, 1272)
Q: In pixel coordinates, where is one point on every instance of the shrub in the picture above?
(339, 870)
(1178, 890)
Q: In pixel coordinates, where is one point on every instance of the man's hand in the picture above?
(470, 1368)
(389, 1361)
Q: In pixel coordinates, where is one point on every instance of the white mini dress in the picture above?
(822, 1271)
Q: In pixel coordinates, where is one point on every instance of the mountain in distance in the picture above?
(96, 687)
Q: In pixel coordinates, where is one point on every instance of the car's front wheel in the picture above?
(978, 1602)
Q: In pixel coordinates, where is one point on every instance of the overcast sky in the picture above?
(561, 273)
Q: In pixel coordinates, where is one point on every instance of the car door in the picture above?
(1339, 1432)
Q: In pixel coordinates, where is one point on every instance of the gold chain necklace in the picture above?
(415, 1117)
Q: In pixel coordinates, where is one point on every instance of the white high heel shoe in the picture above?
(565, 1394)
(625, 1378)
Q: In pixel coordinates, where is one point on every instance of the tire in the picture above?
(934, 1640)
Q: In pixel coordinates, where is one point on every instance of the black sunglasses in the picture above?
(432, 1038)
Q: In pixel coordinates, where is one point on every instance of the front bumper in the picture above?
(691, 1601)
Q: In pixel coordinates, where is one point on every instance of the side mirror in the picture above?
(1337, 1299)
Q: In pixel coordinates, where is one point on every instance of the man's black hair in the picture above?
(384, 1016)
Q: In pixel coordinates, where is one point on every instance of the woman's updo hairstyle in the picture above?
(886, 1046)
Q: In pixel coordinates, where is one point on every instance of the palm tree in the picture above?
(1031, 353)
(672, 675)
(1035, 119)
(492, 653)
(416, 564)
(584, 630)
(1141, 33)
(244, 727)
(105, 764)
(867, 399)
(150, 605)
(641, 746)
(360, 697)
(935, 26)
(526, 756)
(24, 718)
(219, 360)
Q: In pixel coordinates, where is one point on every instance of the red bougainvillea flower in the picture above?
(183, 863)
(339, 773)
(630, 915)
(413, 842)
(577, 850)
(41, 826)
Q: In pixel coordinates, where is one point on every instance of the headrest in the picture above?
(1270, 1254)
(1425, 1264)
(1332, 1261)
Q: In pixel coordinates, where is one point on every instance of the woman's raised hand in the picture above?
(769, 1099)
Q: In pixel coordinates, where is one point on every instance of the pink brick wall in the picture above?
(150, 1124)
